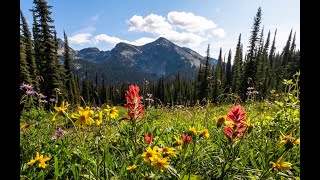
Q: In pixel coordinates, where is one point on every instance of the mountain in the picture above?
(126, 62)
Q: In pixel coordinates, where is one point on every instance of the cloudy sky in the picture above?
(188, 23)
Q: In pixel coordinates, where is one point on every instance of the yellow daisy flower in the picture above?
(168, 151)
(160, 163)
(84, 116)
(281, 165)
(288, 141)
(112, 112)
(99, 120)
(204, 133)
(150, 154)
(40, 160)
(221, 120)
(193, 130)
(59, 110)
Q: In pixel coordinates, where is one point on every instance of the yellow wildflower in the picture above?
(281, 165)
(204, 133)
(107, 110)
(112, 112)
(168, 151)
(178, 142)
(288, 141)
(150, 154)
(131, 168)
(160, 163)
(40, 160)
(221, 120)
(84, 116)
(99, 120)
(193, 130)
(249, 125)
(59, 110)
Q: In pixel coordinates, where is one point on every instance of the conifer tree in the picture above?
(229, 72)
(204, 82)
(24, 69)
(69, 79)
(47, 53)
(250, 64)
(198, 84)
(29, 53)
(237, 68)
(271, 59)
(266, 68)
(217, 78)
(285, 55)
(259, 76)
(294, 58)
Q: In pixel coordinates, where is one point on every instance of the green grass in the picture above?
(104, 152)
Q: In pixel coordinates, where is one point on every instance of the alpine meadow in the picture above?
(153, 108)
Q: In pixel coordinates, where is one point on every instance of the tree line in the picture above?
(260, 68)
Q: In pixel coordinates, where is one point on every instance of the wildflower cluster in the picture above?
(159, 157)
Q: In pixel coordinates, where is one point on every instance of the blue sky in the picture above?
(188, 23)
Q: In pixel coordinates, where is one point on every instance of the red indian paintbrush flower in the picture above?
(186, 138)
(148, 138)
(135, 109)
(237, 123)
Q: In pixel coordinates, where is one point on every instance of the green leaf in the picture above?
(56, 167)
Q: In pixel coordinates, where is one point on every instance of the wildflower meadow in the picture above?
(239, 140)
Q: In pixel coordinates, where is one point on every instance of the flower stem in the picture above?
(194, 145)
(135, 139)
(225, 163)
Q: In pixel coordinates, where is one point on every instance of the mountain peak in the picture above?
(162, 40)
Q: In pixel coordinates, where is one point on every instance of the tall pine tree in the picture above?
(70, 84)
(29, 53)
(229, 72)
(237, 69)
(47, 53)
(250, 64)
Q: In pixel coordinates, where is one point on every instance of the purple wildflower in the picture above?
(60, 132)
(98, 108)
(52, 99)
(93, 108)
(26, 86)
(30, 92)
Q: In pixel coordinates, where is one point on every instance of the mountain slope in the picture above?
(135, 63)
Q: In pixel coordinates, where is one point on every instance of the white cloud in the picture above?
(108, 39)
(158, 25)
(184, 38)
(81, 38)
(151, 24)
(219, 32)
(189, 22)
